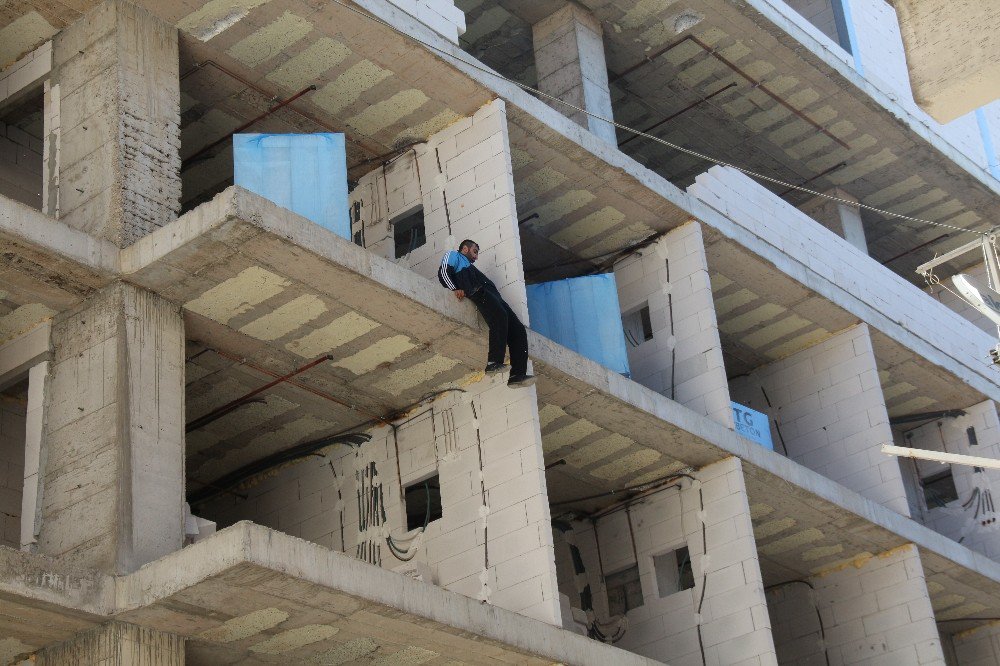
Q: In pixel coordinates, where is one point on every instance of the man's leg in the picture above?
(494, 312)
(517, 341)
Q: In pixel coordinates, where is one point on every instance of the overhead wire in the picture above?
(664, 142)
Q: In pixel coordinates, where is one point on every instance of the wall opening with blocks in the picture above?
(647, 572)
(13, 410)
(955, 500)
(21, 149)
(488, 533)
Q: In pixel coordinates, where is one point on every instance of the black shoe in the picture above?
(518, 381)
(495, 368)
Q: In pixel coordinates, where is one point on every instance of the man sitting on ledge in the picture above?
(506, 330)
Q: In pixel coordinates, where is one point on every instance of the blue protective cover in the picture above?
(753, 425)
(305, 173)
(582, 314)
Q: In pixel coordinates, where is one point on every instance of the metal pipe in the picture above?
(735, 68)
(304, 387)
(219, 412)
(687, 108)
(268, 112)
(915, 249)
(926, 416)
(764, 89)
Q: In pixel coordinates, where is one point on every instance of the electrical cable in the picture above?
(401, 554)
(664, 142)
(819, 616)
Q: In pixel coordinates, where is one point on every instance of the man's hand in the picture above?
(459, 294)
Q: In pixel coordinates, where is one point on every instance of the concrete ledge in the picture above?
(248, 544)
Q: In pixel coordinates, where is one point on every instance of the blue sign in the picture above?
(753, 425)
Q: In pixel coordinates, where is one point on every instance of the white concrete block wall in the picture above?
(765, 216)
(879, 612)
(736, 628)
(441, 16)
(826, 406)
(464, 180)
(12, 424)
(952, 520)
(502, 554)
(976, 647)
(683, 360)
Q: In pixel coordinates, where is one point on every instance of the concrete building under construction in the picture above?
(245, 427)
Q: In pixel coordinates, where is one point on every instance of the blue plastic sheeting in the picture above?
(305, 173)
(582, 314)
(753, 425)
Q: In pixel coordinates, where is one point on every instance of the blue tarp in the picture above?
(753, 425)
(582, 314)
(305, 173)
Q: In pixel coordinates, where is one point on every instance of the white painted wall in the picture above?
(735, 625)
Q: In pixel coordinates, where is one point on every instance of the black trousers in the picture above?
(506, 330)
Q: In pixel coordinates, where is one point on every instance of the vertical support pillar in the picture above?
(112, 161)
(111, 464)
(851, 228)
(569, 57)
(116, 643)
(682, 357)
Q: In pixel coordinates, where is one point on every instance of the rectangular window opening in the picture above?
(939, 489)
(624, 591)
(22, 129)
(13, 416)
(408, 232)
(638, 326)
(674, 572)
(423, 502)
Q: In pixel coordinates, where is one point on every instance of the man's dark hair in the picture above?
(467, 243)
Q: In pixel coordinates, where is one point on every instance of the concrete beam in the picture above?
(953, 54)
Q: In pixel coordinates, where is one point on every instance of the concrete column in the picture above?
(112, 163)
(842, 219)
(683, 357)
(116, 643)
(875, 611)
(112, 453)
(828, 413)
(569, 58)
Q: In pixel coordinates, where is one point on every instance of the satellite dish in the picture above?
(984, 299)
